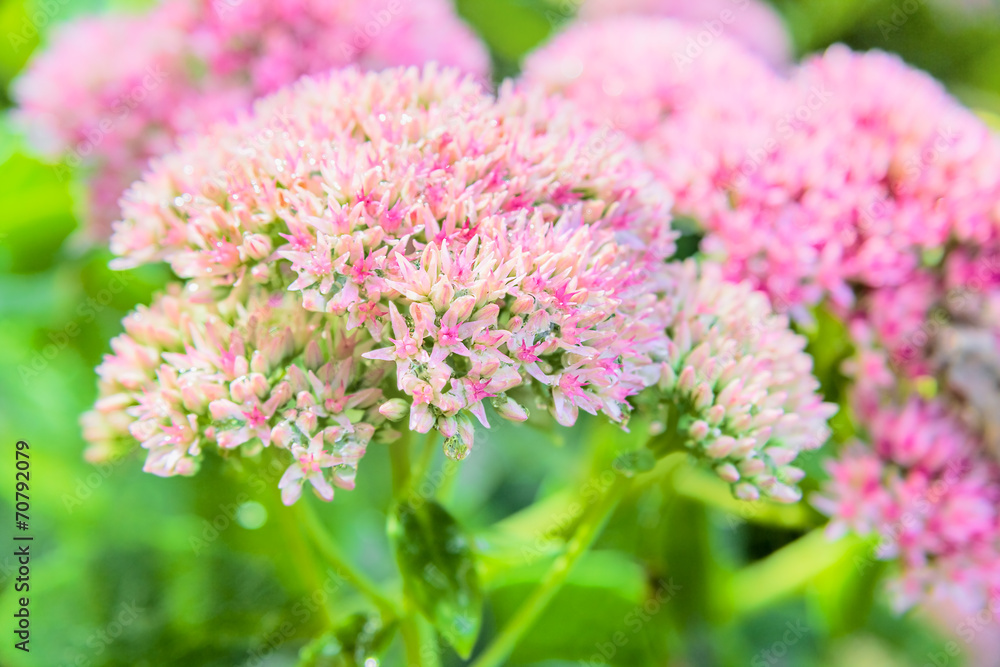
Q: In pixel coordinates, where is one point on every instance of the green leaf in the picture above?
(439, 571)
(358, 638)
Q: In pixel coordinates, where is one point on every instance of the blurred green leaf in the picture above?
(439, 571)
(358, 638)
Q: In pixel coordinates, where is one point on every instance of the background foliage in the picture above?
(132, 570)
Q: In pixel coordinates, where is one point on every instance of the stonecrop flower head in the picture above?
(753, 23)
(858, 163)
(110, 92)
(735, 383)
(190, 373)
(930, 495)
(477, 249)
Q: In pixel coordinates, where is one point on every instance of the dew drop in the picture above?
(454, 449)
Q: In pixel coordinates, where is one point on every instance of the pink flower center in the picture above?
(448, 336)
(526, 353)
(309, 463)
(477, 390)
(255, 417)
(423, 394)
(571, 386)
(405, 347)
(336, 405)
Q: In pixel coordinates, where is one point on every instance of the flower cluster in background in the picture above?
(929, 493)
(190, 63)
(751, 22)
(854, 182)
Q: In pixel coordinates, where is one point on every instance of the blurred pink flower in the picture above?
(753, 23)
(113, 91)
(927, 490)
(858, 163)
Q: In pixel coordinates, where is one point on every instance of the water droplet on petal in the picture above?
(455, 449)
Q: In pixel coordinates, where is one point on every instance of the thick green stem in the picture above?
(306, 562)
(586, 532)
(426, 459)
(411, 639)
(324, 543)
(399, 458)
(671, 439)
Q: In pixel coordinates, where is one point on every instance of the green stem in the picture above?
(399, 456)
(411, 639)
(670, 440)
(324, 543)
(426, 457)
(586, 532)
(449, 475)
(306, 561)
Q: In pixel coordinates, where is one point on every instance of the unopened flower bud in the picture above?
(257, 246)
(510, 409)
(394, 409)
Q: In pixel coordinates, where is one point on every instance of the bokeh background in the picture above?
(133, 570)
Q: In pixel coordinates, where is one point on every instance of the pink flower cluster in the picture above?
(736, 383)
(854, 181)
(480, 252)
(929, 493)
(484, 249)
(190, 372)
(856, 162)
(113, 91)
